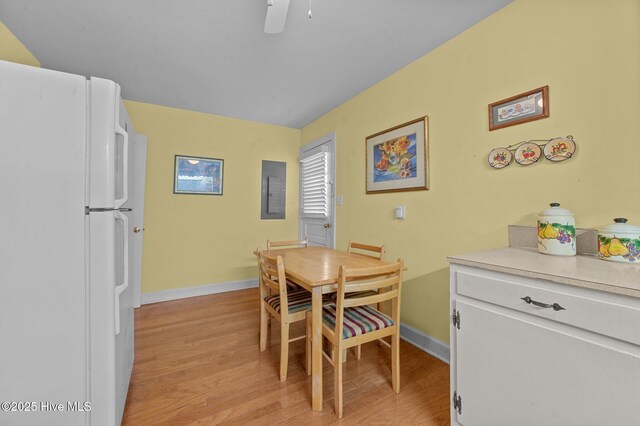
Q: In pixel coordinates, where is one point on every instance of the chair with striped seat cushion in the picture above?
(364, 250)
(352, 321)
(297, 301)
(287, 307)
(357, 320)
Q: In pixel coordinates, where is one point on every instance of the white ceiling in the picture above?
(213, 56)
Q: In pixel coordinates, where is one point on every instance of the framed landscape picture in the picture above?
(397, 158)
(198, 175)
(528, 106)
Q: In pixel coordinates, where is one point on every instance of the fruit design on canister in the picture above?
(565, 234)
(625, 247)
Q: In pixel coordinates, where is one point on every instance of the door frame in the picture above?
(330, 140)
(140, 144)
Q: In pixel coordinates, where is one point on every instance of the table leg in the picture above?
(316, 351)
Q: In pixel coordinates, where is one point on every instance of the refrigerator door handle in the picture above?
(125, 282)
(125, 153)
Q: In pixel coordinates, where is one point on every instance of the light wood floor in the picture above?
(198, 362)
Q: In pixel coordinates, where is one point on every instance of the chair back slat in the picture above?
(351, 274)
(369, 250)
(287, 244)
(269, 269)
(370, 284)
(274, 285)
(370, 300)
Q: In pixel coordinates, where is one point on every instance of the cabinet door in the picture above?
(516, 370)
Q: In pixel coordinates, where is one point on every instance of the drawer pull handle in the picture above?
(530, 301)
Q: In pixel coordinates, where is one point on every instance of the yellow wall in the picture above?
(587, 51)
(194, 240)
(12, 50)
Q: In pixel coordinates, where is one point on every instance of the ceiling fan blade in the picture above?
(276, 17)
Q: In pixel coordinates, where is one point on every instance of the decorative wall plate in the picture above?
(559, 149)
(528, 153)
(500, 158)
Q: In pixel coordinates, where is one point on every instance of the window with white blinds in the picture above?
(315, 186)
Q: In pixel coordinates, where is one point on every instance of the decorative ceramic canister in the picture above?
(619, 242)
(556, 231)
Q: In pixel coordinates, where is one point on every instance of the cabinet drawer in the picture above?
(599, 312)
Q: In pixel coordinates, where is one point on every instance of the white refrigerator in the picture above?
(66, 307)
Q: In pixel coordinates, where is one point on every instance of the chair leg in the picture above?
(284, 350)
(308, 340)
(395, 361)
(358, 350)
(337, 381)
(379, 309)
(264, 323)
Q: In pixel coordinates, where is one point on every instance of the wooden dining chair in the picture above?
(288, 244)
(284, 305)
(351, 321)
(371, 251)
(366, 250)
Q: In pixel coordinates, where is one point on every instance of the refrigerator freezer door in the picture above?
(43, 287)
(109, 147)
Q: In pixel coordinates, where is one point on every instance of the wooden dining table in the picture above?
(316, 270)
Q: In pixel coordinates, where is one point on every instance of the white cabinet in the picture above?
(515, 361)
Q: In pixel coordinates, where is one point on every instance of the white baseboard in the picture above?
(423, 341)
(200, 290)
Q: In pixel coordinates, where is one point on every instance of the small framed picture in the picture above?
(198, 175)
(397, 159)
(528, 106)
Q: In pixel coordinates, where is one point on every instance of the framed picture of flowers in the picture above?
(397, 159)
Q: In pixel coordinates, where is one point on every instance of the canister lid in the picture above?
(620, 226)
(555, 210)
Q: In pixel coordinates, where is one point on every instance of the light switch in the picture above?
(339, 200)
(399, 212)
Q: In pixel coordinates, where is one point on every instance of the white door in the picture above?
(137, 221)
(317, 200)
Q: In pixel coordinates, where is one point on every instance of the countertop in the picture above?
(582, 271)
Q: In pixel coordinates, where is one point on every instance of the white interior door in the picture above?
(317, 193)
(137, 220)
